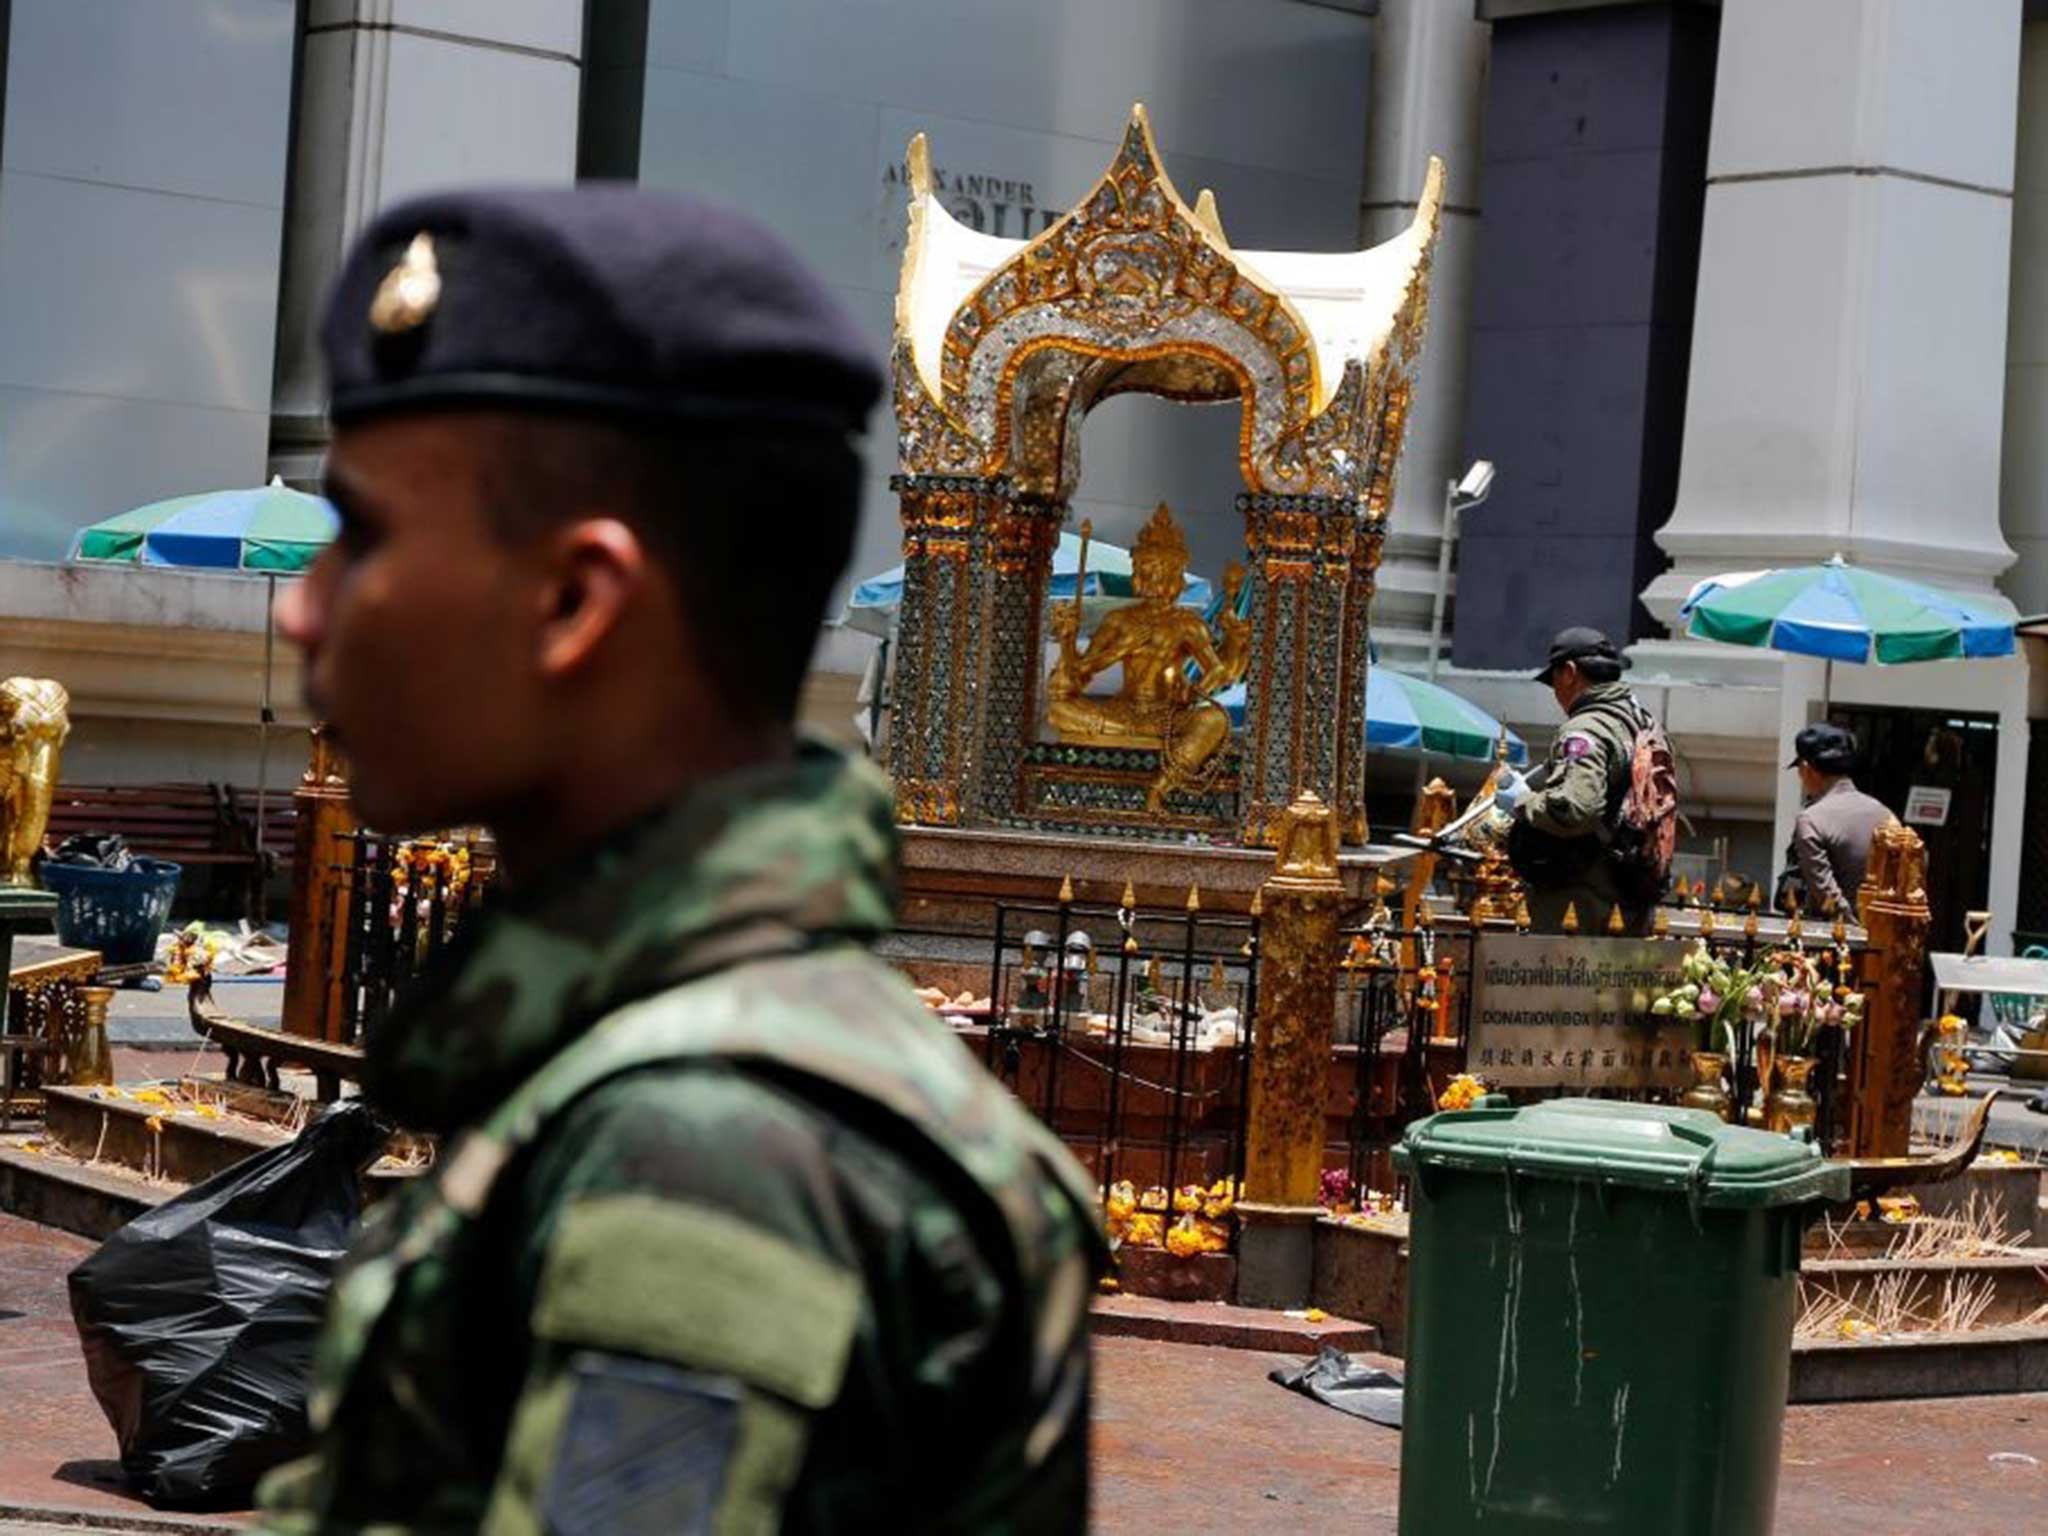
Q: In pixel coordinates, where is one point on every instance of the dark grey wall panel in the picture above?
(1593, 183)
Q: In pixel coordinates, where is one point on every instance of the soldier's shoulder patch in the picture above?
(645, 1448)
(1573, 745)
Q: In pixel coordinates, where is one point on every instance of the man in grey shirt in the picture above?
(1831, 838)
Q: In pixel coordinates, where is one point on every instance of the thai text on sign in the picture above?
(1573, 1011)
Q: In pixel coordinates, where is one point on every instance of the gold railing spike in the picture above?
(1521, 915)
(1571, 917)
(1194, 898)
(1660, 924)
(1794, 929)
(1841, 931)
(1750, 925)
(1706, 922)
(1130, 895)
(1424, 918)
(1615, 922)
(1066, 890)
(1131, 944)
(1258, 902)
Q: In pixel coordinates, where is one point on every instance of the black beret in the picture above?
(603, 297)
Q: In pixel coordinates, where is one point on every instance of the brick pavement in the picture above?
(1187, 1438)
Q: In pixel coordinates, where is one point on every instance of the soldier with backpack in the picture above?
(1594, 827)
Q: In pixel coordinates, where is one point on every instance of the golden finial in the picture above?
(1660, 924)
(1841, 931)
(1130, 895)
(1194, 899)
(1615, 923)
(1521, 915)
(1750, 925)
(1066, 890)
(1795, 929)
(1755, 899)
(406, 299)
(1571, 917)
(1424, 918)
(1258, 902)
(1130, 944)
(1706, 922)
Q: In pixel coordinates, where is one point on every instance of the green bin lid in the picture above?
(1644, 1146)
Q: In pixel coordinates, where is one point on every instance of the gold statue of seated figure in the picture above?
(1158, 707)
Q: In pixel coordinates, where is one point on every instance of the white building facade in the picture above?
(1719, 286)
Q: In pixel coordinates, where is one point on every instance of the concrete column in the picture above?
(1429, 84)
(398, 97)
(2023, 487)
(1848, 368)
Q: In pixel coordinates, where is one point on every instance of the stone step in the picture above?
(1221, 1325)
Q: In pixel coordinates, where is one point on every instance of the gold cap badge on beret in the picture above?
(406, 298)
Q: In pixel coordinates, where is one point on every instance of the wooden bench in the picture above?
(188, 824)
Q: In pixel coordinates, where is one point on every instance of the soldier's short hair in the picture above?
(753, 523)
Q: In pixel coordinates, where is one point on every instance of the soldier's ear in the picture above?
(596, 567)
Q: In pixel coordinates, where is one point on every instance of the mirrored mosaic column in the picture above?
(1301, 570)
(1352, 825)
(939, 641)
(1022, 537)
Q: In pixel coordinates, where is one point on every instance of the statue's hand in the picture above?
(1066, 624)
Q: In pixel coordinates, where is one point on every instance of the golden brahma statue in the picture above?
(1158, 707)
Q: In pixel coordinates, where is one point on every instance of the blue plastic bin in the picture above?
(117, 912)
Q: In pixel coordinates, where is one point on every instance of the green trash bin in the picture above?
(1601, 1299)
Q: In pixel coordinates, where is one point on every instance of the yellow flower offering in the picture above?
(1462, 1092)
(1184, 1238)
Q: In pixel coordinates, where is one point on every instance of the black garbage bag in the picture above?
(1333, 1377)
(95, 850)
(198, 1318)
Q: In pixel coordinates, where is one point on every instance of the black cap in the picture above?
(1829, 748)
(1579, 643)
(604, 298)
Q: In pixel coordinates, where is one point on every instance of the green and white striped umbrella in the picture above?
(269, 529)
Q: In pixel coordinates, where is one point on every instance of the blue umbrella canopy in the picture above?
(874, 602)
(1840, 613)
(267, 529)
(1404, 713)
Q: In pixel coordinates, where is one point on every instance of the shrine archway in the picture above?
(1001, 349)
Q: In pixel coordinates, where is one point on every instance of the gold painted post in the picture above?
(1299, 955)
(323, 854)
(1885, 1066)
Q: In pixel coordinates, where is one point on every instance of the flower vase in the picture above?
(1790, 1105)
(1706, 1091)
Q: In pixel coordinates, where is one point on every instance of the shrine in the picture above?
(1001, 349)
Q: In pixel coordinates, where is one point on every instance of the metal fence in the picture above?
(400, 901)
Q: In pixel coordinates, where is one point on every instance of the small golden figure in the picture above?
(1158, 707)
(33, 725)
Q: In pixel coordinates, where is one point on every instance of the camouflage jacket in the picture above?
(1559, 843)
(728, 1233)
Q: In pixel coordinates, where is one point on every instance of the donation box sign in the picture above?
(1573, 1011)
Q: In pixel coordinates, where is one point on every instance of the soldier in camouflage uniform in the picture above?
(727, 1231)
(1565, 813)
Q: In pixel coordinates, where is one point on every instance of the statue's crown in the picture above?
(1161, 538)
